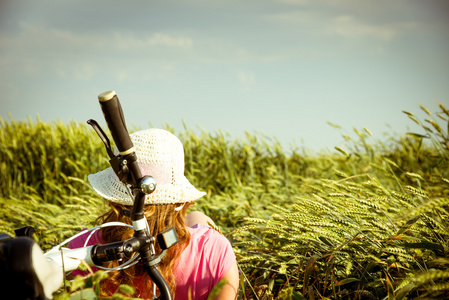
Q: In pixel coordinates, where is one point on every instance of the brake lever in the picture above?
(102, 136)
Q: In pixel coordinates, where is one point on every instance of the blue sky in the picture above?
(283, 68)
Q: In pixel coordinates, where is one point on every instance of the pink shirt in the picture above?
(207, 258)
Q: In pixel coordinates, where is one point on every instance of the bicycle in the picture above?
(43, 273)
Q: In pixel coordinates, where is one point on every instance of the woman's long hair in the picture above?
(159, 218)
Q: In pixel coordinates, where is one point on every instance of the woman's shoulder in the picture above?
(209, 241)
(204, 233)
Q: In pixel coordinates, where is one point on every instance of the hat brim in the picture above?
(107, 185)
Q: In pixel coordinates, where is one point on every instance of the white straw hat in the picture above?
(160, 154)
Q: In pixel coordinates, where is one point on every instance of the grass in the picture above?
(369, 220)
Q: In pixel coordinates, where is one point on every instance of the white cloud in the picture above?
(80, 55)
(130, 41)
(122, 76)
(322, 24)
(349, 27)
(296, 18)
(84, 71)
(246, 78)
(164, 39)
(33, 35)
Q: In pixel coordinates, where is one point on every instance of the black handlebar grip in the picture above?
(113, 114)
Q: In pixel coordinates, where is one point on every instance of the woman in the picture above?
(200, 259)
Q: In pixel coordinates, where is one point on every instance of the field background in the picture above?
(367, 221)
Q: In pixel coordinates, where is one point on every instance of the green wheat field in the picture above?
(369, 220)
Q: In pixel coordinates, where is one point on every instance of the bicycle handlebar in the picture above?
(113, 113)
